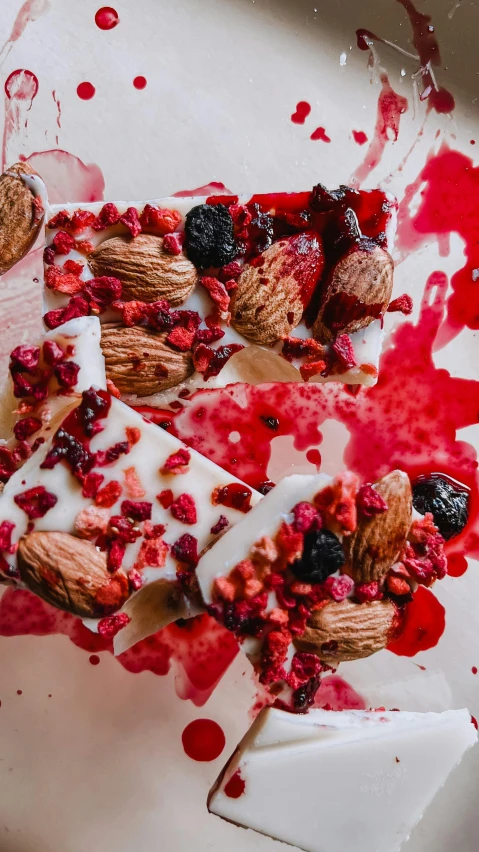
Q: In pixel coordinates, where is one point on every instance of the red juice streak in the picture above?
(29, 12)
(423, 34)
(474, 670)
(335, 693)
(360, 137)
(201, 651)
(391, 106)
(234, 496)
(86, 91)
(320, 133)
(140, 82)
(21, 87)
(423, 625)
(235, 786)
(314, 457)
(203, 740)
(66, 176)
(301, 113)
(107, 18)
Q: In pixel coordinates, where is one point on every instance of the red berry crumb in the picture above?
(184, 509)
(165, 498)
(108, 627)
(185, 549)
(131, 221)
(36, 502)
(369, 502)
(109, 494)
(402, 304)
(177, 463)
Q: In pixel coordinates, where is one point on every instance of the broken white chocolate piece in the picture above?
(335, 781)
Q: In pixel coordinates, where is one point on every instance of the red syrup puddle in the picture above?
(360, 137)
(203, 740)
(391, 106)
(474, 670)
(320, 133)
(423, 625)
(335, 693)
(107, 18)
(94, 659)
(301, 113)
(235, 786)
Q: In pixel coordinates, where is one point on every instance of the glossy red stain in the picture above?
(140, 82)
(301, 112)
(423, 625)
(320, 133)
(235, 786)
(21, 85)
(86, 91)
(360, 137)
(203, 740)
(94, 659)
(107, 18)
(335, 693)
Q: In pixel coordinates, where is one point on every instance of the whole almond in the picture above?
(274, 290)
(71, 574)
(376, 543)
(357, 291)
(146, 271)
(140, 361)
(344, 630)
(21, 215)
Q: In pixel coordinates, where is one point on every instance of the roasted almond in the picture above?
(344, 630)
(146, 271)
(140, 361)
(21, 214)
(357, 291)
(276, 287)
(376, 543)
(71, 574)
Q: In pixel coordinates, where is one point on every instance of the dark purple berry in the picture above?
(209, 236)
(271, 422)
(323, 554)
(447, 501)
(304, 696)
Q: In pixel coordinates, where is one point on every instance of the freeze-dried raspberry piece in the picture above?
(63, 243)
(397, 586)
(24, 357)
(403, 304)
(230, 272)
(368, 592)
(290, 542)
(62, 282)
(6, 529)
(66, 374)
(92, 521)
(339, 587)
(165, 498)
(153, 530)
(184, 509)
(52, 353)
(104, 457)
(303, 667)
(77, 307)
(111, 625)
(23, 429)
(36, 502)
(107, 216)
(298, 619)
(209, 335)
(48, 256)
(296, 347)
(177, 463)
(264, 552)
(153, 553)
(224, 589)
(103, 290)
(139, 511)
(131, 221)
(84, 246)
(181, 338)
(369, 502)
(173, 243)
(273, 654)
(312, 368)
(60, 220)
(220, 525)
(185, 549)
(217, 291)
(81, 220)
(343, 349)
(306, 518)
(115, 555)
(7, 464)
(161, 220)
(73, 267)
(124, 529)
(109, 494)
(337, 502)
(135, 579)
(133, 485)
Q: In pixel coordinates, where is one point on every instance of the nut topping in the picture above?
(21, 215)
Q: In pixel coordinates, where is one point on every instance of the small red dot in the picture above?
(49, 695)
(203, 740)
(139, 82)
(19, 692)
(94, 659)
(106, 18)
(85, 91)
(472, 141)
(474, 670)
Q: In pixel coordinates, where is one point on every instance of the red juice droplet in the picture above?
(472, 141)
(19, 691)
(474, 670)
(107, 18)
(320, 133)
(235, 786)
(203, 740)
(140, 82)
(21, 85)
(301, 113)
(86, 91)
(360, 137)
(94, 659)
(456, 565)
(314, 457)
(423, 625)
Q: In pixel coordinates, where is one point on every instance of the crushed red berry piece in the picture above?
(36, 502)
(52, 353)
(369, 502)
(139, 511)
(303, 667)
(107, 216)
(94, 407)
(135, 579)
(397, 586)
(153, 530)
(162, 220)
(63, 243)
(185, 549)
(173, 243)
(25, 357)
(403, 304)
(81, 220)
(115, 555)
(77, 307)
(306, 518)
(104, 457)
(60, 220)
(153, 553)
(273, 655)
(177, 463)
(6, 529)
(312, 368)
(73, 267)
(220, 525)
(109, 494)
(344, 351)
(66, 374)
(23, 429)
(368, 592)
(165, 498)
(339, 587)
(230, 272)
(62, 282)
(209, 335)
(133, 435)
(217, 292)
(103, 291)
(91, 484)
(184, 509)
(48, 256)
(131, 221)
(296, 347)
(7, 464)
(181, 338)
(66, 447)
(337, 502)
(111, 625)
(290, 542)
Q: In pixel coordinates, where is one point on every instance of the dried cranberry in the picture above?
(104, 457)
(139, 511)
(36, 502)
(447, 501)
(303, 697)
(26, 427)
(177, 463)
(93, 407)
(209, 335)
(345, 358)
(220, 357)
(185, 549)
(67, 448)
(234, 496)
(124, 529)
(260, 230)
(323, 554)
(52, 352)
(209, 236)
(7, 464)
(25, 357)
(67, 374)
(48, 256)
(103, 291)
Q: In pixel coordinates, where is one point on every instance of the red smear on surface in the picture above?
(21, 85)
(213, 188)
(107, 18)
(301, 113)
(423, 626)
(140, 82)
(320, 133)
(391, 106)
(235, 786)
(86, 90)
(203, 740)
(474, 722)
(360, 137)
(337, 694)
(66, 176)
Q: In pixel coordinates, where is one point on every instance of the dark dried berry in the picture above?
(448, 503)
(209, 236)
(304, 697)
(260, 230)
(323, 554)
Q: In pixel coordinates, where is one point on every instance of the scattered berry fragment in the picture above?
(447, 501)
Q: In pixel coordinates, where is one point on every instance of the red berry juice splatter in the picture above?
(86, 91)
(107, 18)
(335, 693)
(140, 82)
(391, 106)
(29, 12)
(360, 137)
(301, 112)
(320, 133)
(235, 786)
(423, 625)
(203, 740)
